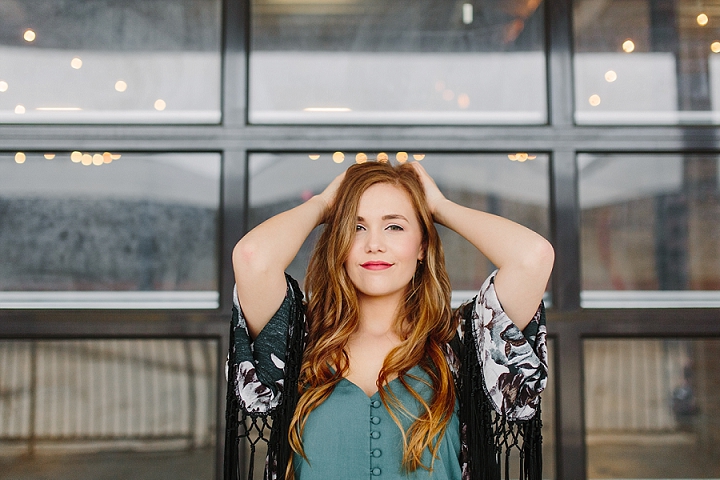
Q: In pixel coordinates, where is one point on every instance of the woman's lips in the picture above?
(375, 265)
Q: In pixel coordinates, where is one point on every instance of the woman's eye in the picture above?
(359, 227)
(396, 228)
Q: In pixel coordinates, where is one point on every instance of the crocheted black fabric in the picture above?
(490, 443)
(489, 439)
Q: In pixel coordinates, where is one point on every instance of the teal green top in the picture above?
(352, 436)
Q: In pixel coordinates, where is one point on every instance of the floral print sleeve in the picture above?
(514, 362)
(260, 363)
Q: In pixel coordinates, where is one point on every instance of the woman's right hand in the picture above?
(329, 194)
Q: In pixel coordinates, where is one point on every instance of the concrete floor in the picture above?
(176, 465)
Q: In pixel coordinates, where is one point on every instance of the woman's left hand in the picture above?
(433, 195)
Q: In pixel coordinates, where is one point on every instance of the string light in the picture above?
(702, 19)
(594, 100)
(338, 157)
(86, 159)
(19, 109)
(361, 158)
(463, 100)
(120, 86)
(49, 156)
(628, 46)
(76, 156)
(160, 104)
(314, 156)
(401, 157)
(107, 157)
(29, 35)
(715, 47)
(3, 86)
(419, 156)
(610, 76)
(97, 159)
(382, 157)
(76, 63)
(20, 157)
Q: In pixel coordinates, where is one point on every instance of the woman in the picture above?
(378, 385)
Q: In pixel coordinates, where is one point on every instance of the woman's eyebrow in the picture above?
(392, 216)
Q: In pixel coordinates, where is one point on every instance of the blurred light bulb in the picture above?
(160, 104)
(419, 156)
(401, 157)
(19, 157)
(49, 156)
(610, 76)
(107, 157)
(76, 156)
(97, 159)
(115, 156)
(76, 63)
(448, 95)
(120, 86)
(29, 35)
(382, 157)
(467, 13)
(715, 47)
(19, 109)
(463, 100)
(3, 86)
(86, 159)
(628, 46)
(702, 19)
(314, 156)
(338, 157)
(594, 100)
(361, 158)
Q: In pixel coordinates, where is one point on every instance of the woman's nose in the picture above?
(374, 241)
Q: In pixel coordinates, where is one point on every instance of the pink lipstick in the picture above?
(376, 265)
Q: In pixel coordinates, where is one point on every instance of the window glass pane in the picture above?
(651, 408)
(646, 62)
(131, 230)
(92, 409)
(397, 62)
(491, 182)
(110, 61)
(650, 222)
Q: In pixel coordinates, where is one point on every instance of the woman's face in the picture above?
(387, 245)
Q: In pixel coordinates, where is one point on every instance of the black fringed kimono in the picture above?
(499, 373)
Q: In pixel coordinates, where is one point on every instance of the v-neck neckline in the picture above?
(377, 392)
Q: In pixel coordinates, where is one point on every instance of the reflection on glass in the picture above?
(665, 57)
(651, 408)
(489, 182)
(105, 230)
(66, 68)
(397, 62)
(86, 409)
(650, 222)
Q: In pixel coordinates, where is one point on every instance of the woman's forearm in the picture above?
(261, 257)
(523, 257)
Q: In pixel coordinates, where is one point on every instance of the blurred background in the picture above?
(140, 140)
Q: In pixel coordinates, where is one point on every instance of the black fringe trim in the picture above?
(492, 441)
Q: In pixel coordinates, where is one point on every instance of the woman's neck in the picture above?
(377, 314)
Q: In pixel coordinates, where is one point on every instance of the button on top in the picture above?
(375, 420)
(375, 434)
(376, 471)
(375, 403)
(376, 453)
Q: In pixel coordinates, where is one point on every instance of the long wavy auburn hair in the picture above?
(423, 321)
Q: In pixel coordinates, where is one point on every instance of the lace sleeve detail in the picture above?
(514, 362)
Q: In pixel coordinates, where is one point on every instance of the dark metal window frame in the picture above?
(234, 138)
